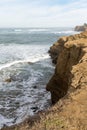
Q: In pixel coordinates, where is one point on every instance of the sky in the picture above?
(42, 13)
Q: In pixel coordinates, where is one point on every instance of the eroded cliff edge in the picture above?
(70, 78)
(70, 56)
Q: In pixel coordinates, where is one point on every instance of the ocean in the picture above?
(24, 59)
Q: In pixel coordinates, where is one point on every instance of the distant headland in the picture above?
(81, 27)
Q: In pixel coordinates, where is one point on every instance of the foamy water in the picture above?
(38, 30)
(24, 59)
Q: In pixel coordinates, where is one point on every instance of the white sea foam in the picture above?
(24, 61)
(29, 30)
(18, 30)
(65, 32)
(15, 51)
(12, 54)
(4, 120)
(44, 30)
(37, 30)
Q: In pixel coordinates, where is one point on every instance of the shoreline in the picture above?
(68, 88)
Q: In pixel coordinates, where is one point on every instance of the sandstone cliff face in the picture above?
(70, 56)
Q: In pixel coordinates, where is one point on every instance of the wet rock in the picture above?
(12, 78)
(8, 80)
(30, 63)
(4, 125)
(35, 87)
(34, 108)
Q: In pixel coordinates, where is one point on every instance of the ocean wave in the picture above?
(31, 60)
(18, 30)
(51, 31)
(37, 30)
(64, 32)
(29, 30)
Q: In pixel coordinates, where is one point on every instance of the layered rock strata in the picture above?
(70, 56)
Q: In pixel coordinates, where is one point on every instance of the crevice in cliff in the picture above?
(58, 88)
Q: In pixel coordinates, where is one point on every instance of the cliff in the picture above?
(81, 28)
(69, 84)
(70, 56)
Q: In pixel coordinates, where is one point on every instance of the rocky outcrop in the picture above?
(70, 56)
(81, 28)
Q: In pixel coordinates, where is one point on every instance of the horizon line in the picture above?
(42, 27)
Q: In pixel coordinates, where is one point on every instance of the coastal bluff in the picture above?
(68, 87)
(69, 54)
(81, 28)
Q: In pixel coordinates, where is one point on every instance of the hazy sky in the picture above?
(42, 13)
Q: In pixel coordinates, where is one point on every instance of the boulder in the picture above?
(8, 80)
